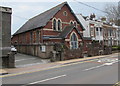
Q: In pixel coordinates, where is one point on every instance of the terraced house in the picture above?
(57, 25)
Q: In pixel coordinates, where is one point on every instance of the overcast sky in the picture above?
(22, 10)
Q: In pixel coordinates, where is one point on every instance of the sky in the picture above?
(23, 10)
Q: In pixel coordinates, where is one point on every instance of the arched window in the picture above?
(71, 23)
(65, 13)
(75, 23)
(74, 42)
(59, 25)
(54, 24)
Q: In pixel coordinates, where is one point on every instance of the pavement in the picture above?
(36, 67)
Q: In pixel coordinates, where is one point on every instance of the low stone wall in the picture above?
(35, 50)
(58, 52)
(73, 54)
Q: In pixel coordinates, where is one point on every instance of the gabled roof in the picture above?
(42, 19)
(67, 30)
(64, 33)
(83, 21)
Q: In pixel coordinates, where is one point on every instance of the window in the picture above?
(23, 38)
(71, 23)
(65, 13)
(59, 25)
(92, 31)
(43, 48)
(31, 37)
(74, 42)
(97, 29)
(110, 32)
(101, 32)
(100, 29)
(75, 23)
(54, 24)
(97, 32)
(37, 36)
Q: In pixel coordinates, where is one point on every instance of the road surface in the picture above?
(101, 71)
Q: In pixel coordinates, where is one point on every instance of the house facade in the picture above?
(87, 38)
(57, 25)
(104, 33)
(110, 35)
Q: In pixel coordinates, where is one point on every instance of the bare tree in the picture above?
(112, 13)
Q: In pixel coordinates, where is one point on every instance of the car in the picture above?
(13, 49)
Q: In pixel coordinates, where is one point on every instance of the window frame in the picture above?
(73, 41)
(65, 13)
(59, 27)
(54, 24)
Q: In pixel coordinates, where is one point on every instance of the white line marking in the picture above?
(101, 65)
(47, 79)
(94, 67)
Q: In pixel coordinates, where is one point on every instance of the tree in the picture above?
(112, 13)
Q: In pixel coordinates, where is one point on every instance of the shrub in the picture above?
(115, 48)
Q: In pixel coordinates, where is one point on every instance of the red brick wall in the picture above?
(85, 44)
(64, 19)
(53, 40)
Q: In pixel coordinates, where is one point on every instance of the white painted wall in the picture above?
(85, 24)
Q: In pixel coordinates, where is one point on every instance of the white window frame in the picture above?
(43, 48)
(64, 13)
(72, 22)
(60, 24)
(53, 24)
(56, 24)
(73, 47)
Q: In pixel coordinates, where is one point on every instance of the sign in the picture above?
(43, 48)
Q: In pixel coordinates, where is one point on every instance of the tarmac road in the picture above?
(89, 72)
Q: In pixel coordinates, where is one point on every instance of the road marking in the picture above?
(62, 65)
(94, 67)
(47, 79)
(101, 65)
(108, 60)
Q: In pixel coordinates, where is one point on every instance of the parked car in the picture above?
(13, 49)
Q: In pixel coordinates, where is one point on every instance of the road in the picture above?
(101, 71)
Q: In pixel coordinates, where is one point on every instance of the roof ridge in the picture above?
(40, 17)
(49, 10)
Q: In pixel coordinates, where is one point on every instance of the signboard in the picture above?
(43, 48)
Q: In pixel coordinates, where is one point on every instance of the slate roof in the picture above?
(42, 19)
(64, 33)
(83, 22)
(67, 30)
